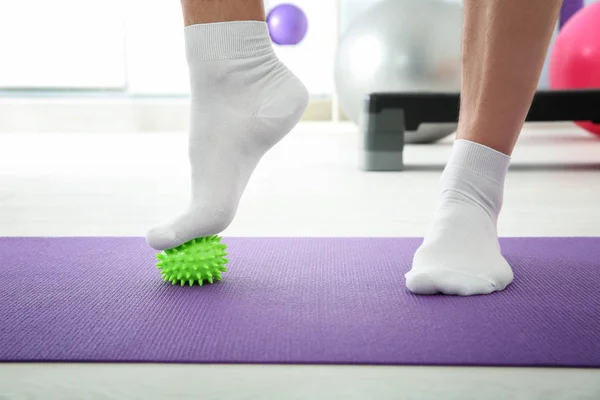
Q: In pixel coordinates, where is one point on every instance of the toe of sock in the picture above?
(440, 281)
(162, 238)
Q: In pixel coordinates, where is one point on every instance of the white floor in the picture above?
(120, 184)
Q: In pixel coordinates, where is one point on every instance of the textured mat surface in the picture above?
(300, 300)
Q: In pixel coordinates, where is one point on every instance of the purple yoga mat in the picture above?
(301, 300)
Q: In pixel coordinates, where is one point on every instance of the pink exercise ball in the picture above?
(575, 57)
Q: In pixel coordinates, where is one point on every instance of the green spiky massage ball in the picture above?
(197, 261)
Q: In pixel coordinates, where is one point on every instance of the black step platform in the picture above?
(389, 116)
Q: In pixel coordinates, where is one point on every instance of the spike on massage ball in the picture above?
(197, 261)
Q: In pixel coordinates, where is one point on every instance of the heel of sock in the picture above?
(289, 99)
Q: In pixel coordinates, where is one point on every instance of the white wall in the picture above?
(155, 48)
(312, 59)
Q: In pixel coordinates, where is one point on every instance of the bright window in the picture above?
(132, 45)
(62, 44)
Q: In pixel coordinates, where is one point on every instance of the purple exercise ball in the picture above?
(287, 24)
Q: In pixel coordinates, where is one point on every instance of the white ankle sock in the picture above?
(244, 100)
(460, 254)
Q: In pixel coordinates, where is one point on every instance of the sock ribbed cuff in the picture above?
(226, 40)
(479, 159)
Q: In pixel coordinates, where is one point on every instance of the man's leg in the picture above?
(504, 46)
(243, 101)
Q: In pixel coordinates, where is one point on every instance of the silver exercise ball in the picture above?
(401, 46)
